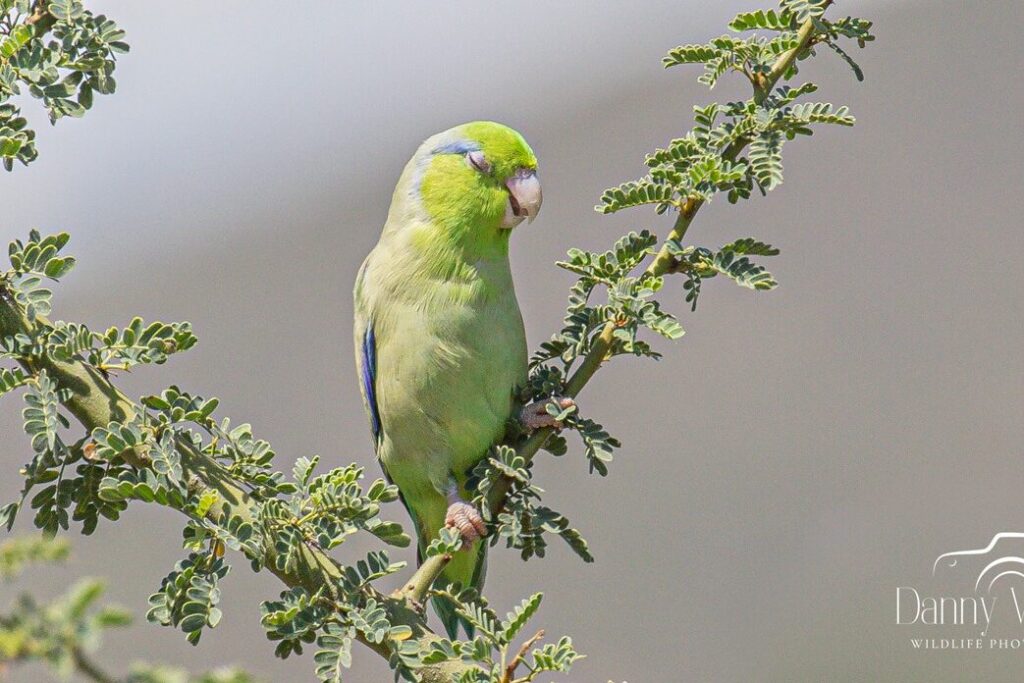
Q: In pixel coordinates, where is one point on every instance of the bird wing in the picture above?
(366, 364)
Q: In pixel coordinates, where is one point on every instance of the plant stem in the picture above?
(510, 670)
(426, 574)
(89, 668)
(786, 59)
(38, 13)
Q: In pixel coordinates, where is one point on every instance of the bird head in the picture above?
(478, 180)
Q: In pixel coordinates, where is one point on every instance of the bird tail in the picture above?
(467, 569)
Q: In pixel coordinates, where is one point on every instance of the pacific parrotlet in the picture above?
(439, 339)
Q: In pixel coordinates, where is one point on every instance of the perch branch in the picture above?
(417, 586)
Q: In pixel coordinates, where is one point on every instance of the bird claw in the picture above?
(536, 415)
(465, 519)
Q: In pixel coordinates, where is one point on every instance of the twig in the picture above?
(786, 59)
(510, 670)
(39, 13)
(89, 668)
(416, 587)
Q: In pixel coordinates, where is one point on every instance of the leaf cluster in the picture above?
(17, 553)
(56, 632)
(523, 520)
(731, 261)
(58, 52)
(707, 160)
(492, 652)
(150, 457)
(64, 633)
(189, 595)
(336, 616)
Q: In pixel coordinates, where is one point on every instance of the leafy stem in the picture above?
(90, 669)
(661, 264)
(513, 666)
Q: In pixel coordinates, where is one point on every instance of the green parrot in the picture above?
(439, 338)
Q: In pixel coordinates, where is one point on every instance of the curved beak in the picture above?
(524, 198)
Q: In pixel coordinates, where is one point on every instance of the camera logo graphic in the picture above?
(999, 561)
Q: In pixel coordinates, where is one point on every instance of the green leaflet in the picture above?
(189, 595)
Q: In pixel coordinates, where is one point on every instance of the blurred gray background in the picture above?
(791, 461)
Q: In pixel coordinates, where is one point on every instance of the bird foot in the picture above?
(536, 415)
(466, 519)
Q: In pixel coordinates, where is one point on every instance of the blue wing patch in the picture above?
(370, 377)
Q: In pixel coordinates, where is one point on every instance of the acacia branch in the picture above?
(95, 402)
(662, 263)
(803, 40)
(424, 577)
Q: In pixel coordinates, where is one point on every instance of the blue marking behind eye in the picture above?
(370, 378)
(458, 147)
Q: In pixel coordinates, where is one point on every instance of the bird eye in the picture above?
(478, 161)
